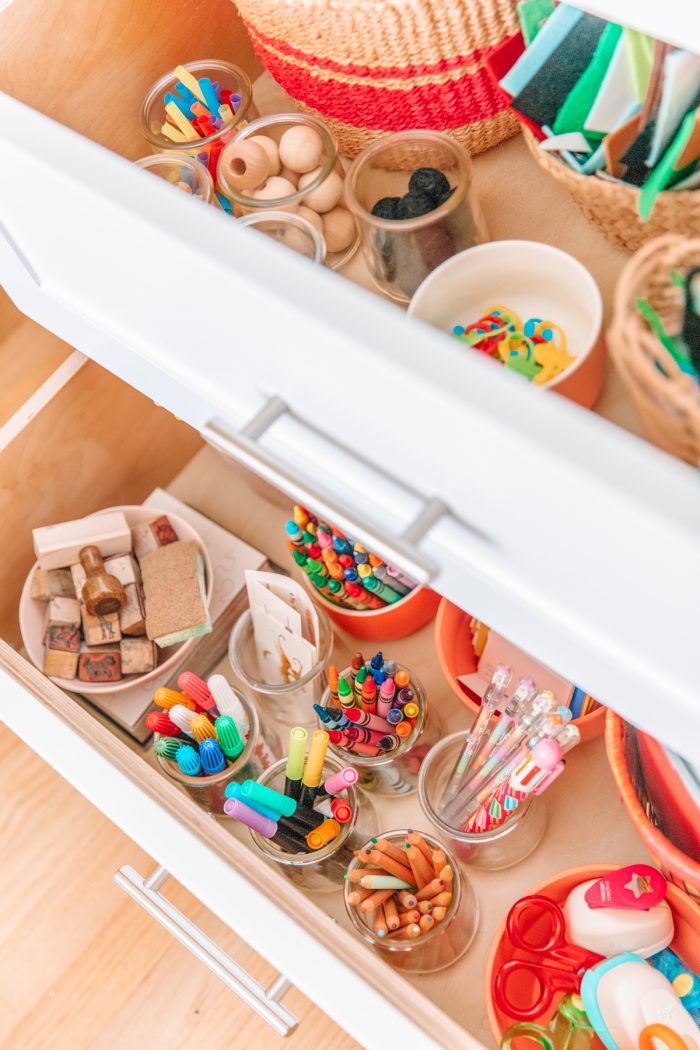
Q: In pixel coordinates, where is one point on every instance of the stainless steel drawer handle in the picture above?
(242, 446)
(264, 1001)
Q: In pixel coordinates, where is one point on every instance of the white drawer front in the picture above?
(574, 539)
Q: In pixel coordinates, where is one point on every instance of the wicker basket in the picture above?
(620, 744)
(368, 67)
(667, 399)
(613, 207)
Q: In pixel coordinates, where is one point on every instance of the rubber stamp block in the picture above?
(79, 576)
(100, 666)
(138, 655)
(63, 638)
(131, 616)
(52, 583)
(124, 567)
(59, 546)
(60, 664)
(101, 630)
(64, 611)
(163, 531)
(143, 540)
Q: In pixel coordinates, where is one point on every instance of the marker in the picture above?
(182, 716)
(313, 770)
(228, 736)
(250, 817)
(167, 698)
(233, 790)
(295, 762)
(188, 761)
(212, 757)
(338, 782)
(228, 702)
(251, 790)
(341, 810)
(167, 746)
(323, 834)
(197, 690)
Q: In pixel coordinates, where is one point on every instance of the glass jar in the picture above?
(438, 948)
(262, 749)
(288, 701)
(182, 171)
(319, 199)
(323, 870)
(290, 229)
(501, 847)
(206, 148)
(395, 773)
(400, 253)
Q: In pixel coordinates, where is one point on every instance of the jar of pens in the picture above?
(481, 791)
(406, 896)
(305, 813)
(358, 590)
(205, 734)
(376, 716)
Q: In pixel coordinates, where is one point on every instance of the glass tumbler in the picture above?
(205, 147)
(502, 847)
(290, 699)
(395, 773)
(315, 194)
(400, 253)
(261, 751)
(182, 171)
(323, 870)
(438, 948)
(290, 229)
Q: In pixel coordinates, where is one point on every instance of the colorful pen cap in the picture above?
(197, 690)
(167, 698)
(297, 753)
(182, 717)
(250, 817)
(228, 702)
(254, 792)
(167, 746)
(323, 834)
(341, 810)
(228, 736)
(233, 790)
(212, 757)
(202, 729)
(188, 761)
(159, 722)
(340, 781)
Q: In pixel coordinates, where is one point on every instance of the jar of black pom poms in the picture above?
(413, 197)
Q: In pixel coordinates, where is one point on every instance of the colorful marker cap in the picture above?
(342, 780)
(250, 817)
(188, 761)
(167, 746)
(228, 736)
(323, 834)
(341, 810)
(254, 792)
(212, 757)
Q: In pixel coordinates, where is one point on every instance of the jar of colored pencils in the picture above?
(196, 109)
(261, 747)
(291, 698)
(380, 729)
(500, 847)
(414, 906)
(320, 869)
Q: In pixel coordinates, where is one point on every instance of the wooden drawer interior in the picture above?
(93, 78)
(98, 443)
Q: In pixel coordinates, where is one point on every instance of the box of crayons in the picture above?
(357, 588)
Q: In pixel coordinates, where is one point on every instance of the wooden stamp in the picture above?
(143, 540)
(79, 576)
(63, 611)
(138, 655)
(60, 664)
(163, 531)
(100, 666)
(62, 638)
(124, 567)
(52, 583)
(58, 546)
(101, 630)
(102, 592)
(132, 618)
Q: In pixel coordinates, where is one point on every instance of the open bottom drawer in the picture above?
(96, 443)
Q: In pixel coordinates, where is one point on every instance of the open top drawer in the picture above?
(96, 443)
(573, 538)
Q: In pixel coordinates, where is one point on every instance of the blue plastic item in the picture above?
(188, 761)
(672, 967)
(212, 757)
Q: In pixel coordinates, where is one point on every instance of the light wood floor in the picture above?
(82, 967)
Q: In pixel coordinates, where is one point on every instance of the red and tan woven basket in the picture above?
(368, 67)
(624, 763)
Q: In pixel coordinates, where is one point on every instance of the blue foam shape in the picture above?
(553, 33)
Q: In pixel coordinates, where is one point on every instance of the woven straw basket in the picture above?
(613, 208)
(624, 764)
(368, 67)
(667, 399)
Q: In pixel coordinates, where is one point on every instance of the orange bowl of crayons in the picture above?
(463, 647)
(359, 591)
(408, 899)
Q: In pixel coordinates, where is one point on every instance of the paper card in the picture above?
(294, 595)
(264, 600)
(617, 92)
(680, 90)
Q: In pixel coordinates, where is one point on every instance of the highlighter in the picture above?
(295, 762)
(313, 770)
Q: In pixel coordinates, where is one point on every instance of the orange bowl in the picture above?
(455, 653)
(686, 940)
(402, 618)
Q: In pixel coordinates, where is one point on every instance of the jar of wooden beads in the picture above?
(289, 162)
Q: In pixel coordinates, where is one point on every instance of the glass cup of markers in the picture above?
(305, 813)
(480, 788)
(376, 715)
(206, 734)
(406, 896)
(196, 109)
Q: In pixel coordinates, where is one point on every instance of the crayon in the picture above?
(360, 676)
(333, 681)
(345, 694)
(368, 750)
(395, 717)
(363, 735)
(402, 679)
(403, 696)
(363, 570)
(363, 718)
(389, 742)
(378, 677)
(411, 710)
(381, 573)
(377, 661)
(387, 594)
(385, 703)
(384, 882)
(368, 701)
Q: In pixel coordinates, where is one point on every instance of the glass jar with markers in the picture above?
(376, 716)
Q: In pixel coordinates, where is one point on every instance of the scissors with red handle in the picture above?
(560, 972)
